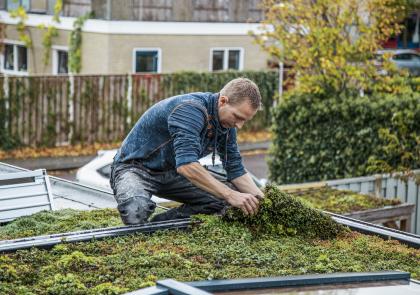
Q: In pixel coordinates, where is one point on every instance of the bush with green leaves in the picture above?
(319, 138)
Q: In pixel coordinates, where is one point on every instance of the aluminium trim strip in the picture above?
(299, 280)
(235, 285)
(48, 241)
(155, 290)
(22, 174)
(373, 229)
(49, 189)
(25, 207)
(179, 288)
(21, 184)
(70, 190)
(9, 197)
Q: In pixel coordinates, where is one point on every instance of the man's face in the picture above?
(234, 116)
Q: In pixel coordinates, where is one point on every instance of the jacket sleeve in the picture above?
(230, 156)
(185, 124)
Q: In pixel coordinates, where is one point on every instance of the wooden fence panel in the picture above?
(62, 110)
(146, 91)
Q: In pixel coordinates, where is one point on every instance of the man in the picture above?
(160, 155)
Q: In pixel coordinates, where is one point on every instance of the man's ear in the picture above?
(223, 100)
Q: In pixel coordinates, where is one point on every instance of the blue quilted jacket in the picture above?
(180, 130)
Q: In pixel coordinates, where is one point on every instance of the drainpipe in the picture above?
(108, 14)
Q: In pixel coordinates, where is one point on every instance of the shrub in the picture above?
(319, 138)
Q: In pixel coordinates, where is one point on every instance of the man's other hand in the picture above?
(246, 202)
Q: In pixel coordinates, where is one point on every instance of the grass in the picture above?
(217, 249)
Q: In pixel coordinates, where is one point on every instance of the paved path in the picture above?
(257, 165)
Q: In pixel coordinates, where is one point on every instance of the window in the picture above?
(404, 56)
(147, 60)
(9, 63)
(13, 4)
(222, 59)
(60, 60)
(15, 59)
(22, 59)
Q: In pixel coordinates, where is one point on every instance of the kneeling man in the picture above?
(160, 156)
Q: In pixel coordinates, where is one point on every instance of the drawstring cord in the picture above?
(226, 143)
(213, 157)
(216, 126)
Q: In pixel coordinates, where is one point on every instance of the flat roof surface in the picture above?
(395, 287)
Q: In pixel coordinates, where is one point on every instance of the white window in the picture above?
(60, 60)
(13, 4)
(222, 59)
(14, 59)
(147, 60)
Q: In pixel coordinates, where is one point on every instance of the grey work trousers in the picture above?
(134, 185)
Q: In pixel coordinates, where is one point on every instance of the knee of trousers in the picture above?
(136, 210)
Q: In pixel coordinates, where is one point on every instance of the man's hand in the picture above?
(246, 202)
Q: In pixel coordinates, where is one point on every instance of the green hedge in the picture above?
(267, 81)
(317, 139)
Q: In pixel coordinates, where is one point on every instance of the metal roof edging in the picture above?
(175, 287)
(155, 290)
(69, 190)
(410, 239)
(178, 288)
(48, 241)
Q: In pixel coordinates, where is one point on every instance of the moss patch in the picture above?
(214, 250)
(49, 222)
(342, 201)
(281, 213)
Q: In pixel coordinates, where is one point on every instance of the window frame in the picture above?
(145, 49)
(55, 49)
(226, 57)
(19, 3)
(15, 45)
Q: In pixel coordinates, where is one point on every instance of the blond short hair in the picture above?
(242, 89)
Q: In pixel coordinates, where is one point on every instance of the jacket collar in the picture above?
(214, 114)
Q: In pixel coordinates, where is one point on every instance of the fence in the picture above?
(60, 110)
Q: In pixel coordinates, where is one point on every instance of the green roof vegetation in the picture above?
(216, 249)
(281, 213)
(60, 221)
(342, 201)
